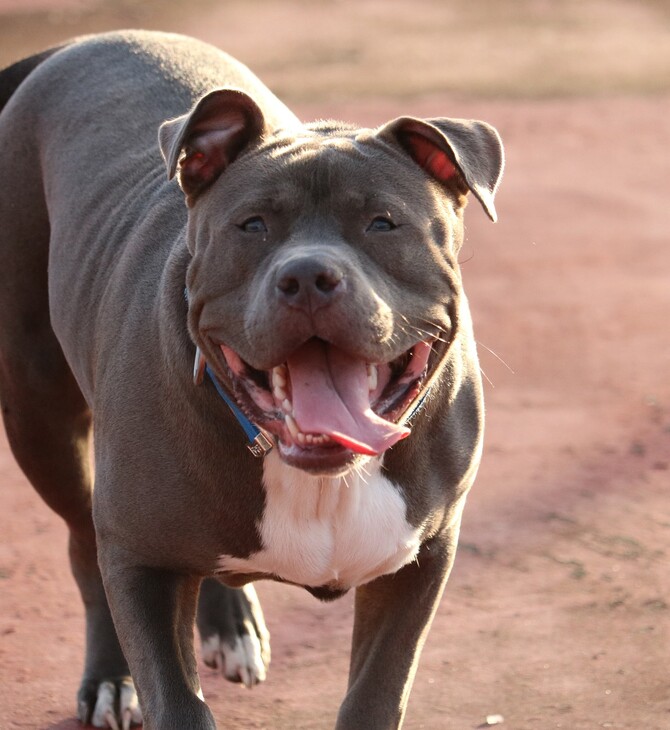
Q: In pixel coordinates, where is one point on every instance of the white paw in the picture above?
(239, 662)
(116, 707)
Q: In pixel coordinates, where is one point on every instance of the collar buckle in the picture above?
(260, 446)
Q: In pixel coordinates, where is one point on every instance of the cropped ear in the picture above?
(201, 144)
(451, 148)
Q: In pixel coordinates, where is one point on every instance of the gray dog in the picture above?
(312, 277)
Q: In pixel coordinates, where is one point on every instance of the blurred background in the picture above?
(330, 49)
(557, 613)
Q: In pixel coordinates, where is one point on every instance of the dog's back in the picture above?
(61, 119)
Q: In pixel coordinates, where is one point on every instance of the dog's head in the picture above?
(324, 285)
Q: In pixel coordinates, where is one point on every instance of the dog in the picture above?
(263, 324)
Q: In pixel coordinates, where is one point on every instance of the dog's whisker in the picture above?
(410, 327)
(412, 330)
(362, 470)
(431, 323)
(488, 380)
(495, 354)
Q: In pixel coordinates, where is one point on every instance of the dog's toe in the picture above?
(239, 661)
(112, 705)
(103, 713)
(234, 637)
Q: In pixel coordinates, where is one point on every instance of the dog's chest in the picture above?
(319, 531)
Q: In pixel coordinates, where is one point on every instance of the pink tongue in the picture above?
(330, 396)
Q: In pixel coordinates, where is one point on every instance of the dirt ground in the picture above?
(557, 613)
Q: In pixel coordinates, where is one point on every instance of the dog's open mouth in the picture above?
(323, 403)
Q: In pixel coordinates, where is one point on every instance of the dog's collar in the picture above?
(259, 444)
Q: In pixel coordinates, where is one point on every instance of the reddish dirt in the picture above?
(557, 613)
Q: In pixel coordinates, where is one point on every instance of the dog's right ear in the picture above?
(198, 146)
(455, 152)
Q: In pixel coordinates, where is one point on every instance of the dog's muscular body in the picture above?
(323, 291)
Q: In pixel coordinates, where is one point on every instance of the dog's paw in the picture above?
(240, 662)
(234, 637)
(109, 704)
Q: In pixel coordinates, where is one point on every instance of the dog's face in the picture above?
(324, 284)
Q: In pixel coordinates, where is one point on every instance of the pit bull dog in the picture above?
(310, 272)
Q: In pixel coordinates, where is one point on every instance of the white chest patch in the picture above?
(317, 531)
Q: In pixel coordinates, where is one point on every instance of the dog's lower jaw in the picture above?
(332, 460)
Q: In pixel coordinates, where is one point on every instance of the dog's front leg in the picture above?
(154, 613)
(392, 618)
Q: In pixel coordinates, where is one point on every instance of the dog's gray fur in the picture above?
(96, 248)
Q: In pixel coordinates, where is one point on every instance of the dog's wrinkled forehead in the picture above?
(318, 133)
(334, 162)
(320, 138)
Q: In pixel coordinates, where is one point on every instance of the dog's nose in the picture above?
(310, 283)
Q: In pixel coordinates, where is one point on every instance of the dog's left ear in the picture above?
(198, 146)
(451, 148)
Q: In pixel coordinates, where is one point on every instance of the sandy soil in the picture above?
(557, 614)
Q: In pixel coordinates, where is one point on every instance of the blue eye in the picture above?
(381, 225)
(255, 224)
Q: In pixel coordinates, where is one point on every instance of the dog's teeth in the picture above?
(372, 376)
(280, 394)
(304, 439)
(292, 426)
(279, 377)
(287, 406)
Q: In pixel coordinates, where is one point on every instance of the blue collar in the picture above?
(259, 444)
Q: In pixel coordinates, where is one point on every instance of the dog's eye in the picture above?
(381, 225)
(255, 224)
